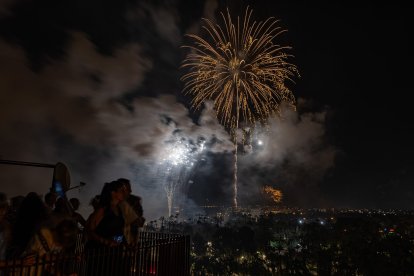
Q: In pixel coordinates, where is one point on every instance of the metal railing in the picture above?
(154, 254)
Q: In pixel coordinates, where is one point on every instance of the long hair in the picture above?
(106, 194)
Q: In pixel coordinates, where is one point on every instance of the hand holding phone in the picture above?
(58, 189)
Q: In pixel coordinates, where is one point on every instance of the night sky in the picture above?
(96, 85)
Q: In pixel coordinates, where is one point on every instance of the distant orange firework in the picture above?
(275, 194)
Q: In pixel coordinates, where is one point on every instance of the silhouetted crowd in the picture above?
(32, 226)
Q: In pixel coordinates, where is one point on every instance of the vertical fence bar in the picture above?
(153, 254)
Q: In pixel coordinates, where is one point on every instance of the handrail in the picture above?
(24, 163)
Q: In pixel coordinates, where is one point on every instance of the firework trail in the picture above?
(240, 68)
(175, 167)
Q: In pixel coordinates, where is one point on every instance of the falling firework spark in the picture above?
(242, 71)
(275, 194)
(178, 159)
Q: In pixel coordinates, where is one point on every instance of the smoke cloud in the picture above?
(291, 154)
(71, 112)
(108, 116)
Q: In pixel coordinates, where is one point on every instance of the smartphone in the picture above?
(58, 188)
(119, 238)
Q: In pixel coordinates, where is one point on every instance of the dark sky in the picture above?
(95, 84)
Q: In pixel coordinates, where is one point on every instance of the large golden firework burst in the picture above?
(241, 69)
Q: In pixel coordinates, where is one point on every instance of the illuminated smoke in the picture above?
(177, 161)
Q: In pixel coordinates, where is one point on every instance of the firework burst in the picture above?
(275, 194)
(241, 69)
(177, 160)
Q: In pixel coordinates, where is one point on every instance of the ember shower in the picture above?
(177, 161)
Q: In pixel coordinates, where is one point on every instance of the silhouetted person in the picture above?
(31, 216)
(48, 244)
(134, 220)
(105, 229)
(105, 226)
(75, 215)
(4, 226)
(62, 211)
(61, 238)
(15, 203)
(50, 200)
(95, 202)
